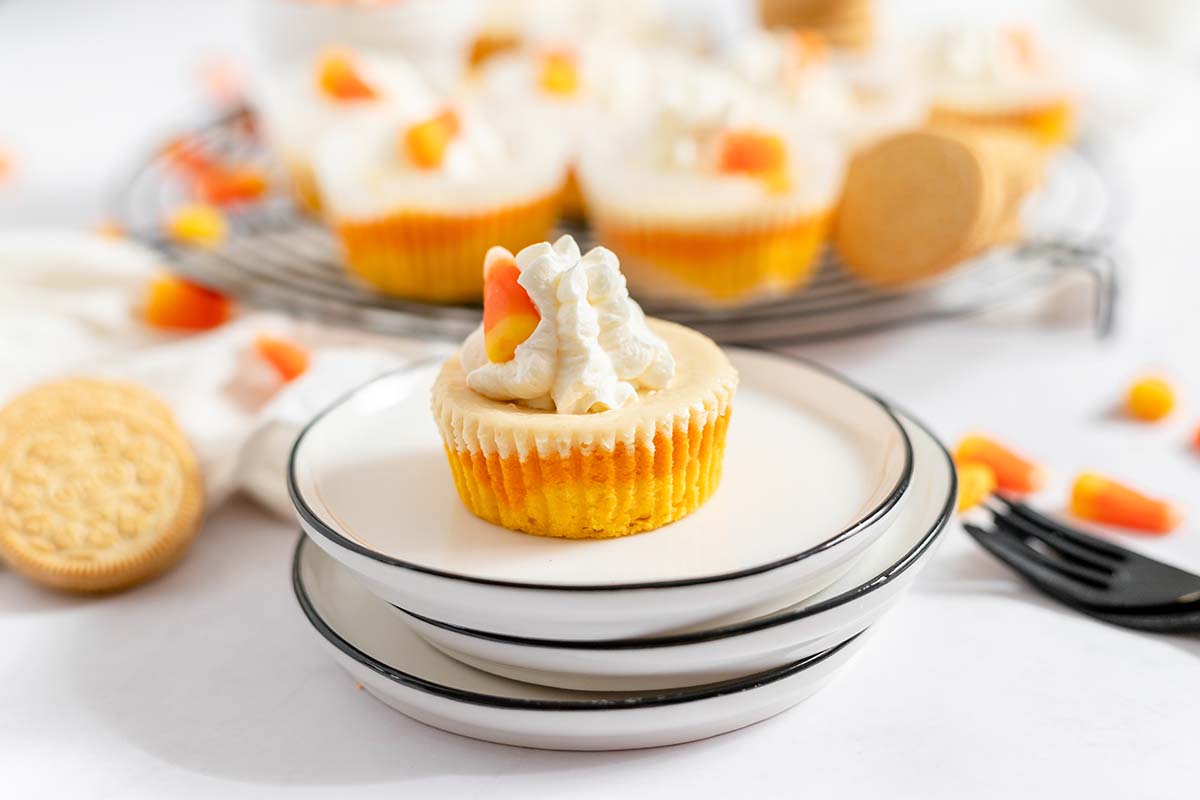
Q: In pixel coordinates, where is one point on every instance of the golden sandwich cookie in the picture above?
(95, 495)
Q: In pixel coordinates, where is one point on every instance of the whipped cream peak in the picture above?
(592, 350)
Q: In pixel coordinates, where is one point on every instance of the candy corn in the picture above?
(759, 155)
(6, 165)
(509, 315)
(1013, 472)
(425, 143)
(176, 304)
(559, 73)
(1196, 439)
(339, 79)
(289, 359)
(224, 185)
(197, 224)
(1099, 499)
(187, 156)
(1150, 399)
(975, 482)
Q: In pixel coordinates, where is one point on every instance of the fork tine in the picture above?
(1064, 547)
(1036, 568)
(1097, 546)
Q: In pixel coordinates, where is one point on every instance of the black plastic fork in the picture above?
(1092, 575)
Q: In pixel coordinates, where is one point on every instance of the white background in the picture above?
(207, 681)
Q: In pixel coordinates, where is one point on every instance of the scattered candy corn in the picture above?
(1099, 499)
(976, 481)
(759, 155)
(6, 165)
(1196, 439)
(289, 359)
(186, 155)
(176, 304)
(338, 77)
(1013, 472)
(1150, 399)
(425, 143)
(558, 73)
(198, 224)
(225, 185)
(509, 315)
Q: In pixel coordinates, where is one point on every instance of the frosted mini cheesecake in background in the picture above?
(568, 413)
(417, 196)
(1000, 79)
(711, 195)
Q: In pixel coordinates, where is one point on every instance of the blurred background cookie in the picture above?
(916, 204)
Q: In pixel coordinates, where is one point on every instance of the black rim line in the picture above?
(320, 527)
(928, 539)
(664, 698)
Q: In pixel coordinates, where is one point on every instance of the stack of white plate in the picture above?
(830, 504)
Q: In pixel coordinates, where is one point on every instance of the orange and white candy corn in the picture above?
(976, 481)
(558, 72)
(509, 315)
(289, 359)
(1014, 473)
(338, 77)
(425, 143)
(1096, 498)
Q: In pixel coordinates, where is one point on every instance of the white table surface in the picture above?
(208, 681)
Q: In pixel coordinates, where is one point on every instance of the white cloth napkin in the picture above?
(68, 306)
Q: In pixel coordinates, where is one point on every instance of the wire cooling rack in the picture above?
(279, 257)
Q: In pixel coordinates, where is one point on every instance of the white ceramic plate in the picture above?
(375, 646)
(878, 579)
(814, 471)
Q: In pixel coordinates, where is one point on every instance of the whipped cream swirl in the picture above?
(591, 351)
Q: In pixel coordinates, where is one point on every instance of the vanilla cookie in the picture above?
(95, 495)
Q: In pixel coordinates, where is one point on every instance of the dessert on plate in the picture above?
(303, 102)
(417, 197)
(714, 197)
(999, 79)
(568, 413)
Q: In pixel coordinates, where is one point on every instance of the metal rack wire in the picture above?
(279, 257)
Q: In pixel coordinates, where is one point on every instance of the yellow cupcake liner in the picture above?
(437, 257)
(721, 267)
(593, 492)
(1050, 125)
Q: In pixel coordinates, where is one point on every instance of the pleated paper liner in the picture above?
(719, 265)
(437, 257)
(596, 492)
(1049, 124)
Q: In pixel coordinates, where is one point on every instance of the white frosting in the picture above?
(851, 97)
(363, 172)
(664, 166)
(591, 351)
(298, 115)
(984, 69)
